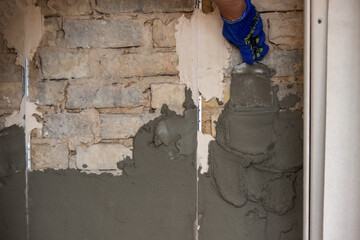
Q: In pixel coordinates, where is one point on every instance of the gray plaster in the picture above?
(12, 207)
(154, 199)
(289, 101)
(228, 171)
(178, 131)
(12, 150)
(246, 126)
(252, 187)
(12, 183)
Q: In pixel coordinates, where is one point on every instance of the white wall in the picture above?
(342, 145)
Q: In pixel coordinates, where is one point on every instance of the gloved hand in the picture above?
(247, 34)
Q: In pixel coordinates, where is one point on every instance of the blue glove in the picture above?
(247, 34)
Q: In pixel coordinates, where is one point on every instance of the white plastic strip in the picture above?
(318, 68)
(306, 200)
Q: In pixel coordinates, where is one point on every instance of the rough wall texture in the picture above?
(284, 27)
(253, 189)
(10, 82)
(102, 70)
(12, 183)
(154, 198)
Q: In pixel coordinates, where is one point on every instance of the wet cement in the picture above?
(253, 189)
(12, 150)
(254, 185)
(154, 199)
(12, 184)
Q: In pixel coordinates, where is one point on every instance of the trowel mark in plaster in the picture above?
(239, 177)
(204, 54)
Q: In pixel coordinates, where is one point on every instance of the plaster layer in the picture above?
(12, 183)
(204, 54)
(154, 199)
(254, 165)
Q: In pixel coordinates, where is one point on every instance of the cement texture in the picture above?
(154, 199)
(253, 189)
(12, 150)
(246, 126)
(12, 184)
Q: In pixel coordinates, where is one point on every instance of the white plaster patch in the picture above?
(203, 151)
(204, 54)
(18, 118)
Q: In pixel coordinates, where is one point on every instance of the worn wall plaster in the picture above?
(204, 54)
(24, 29)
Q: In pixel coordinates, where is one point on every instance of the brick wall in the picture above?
(103, 69)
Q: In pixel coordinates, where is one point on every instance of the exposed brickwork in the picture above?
(59, 63)
(103, 156)
(171, 94)
(164, 33)
(10, 81)
(105, 66)
(123, 125)
(49, 156)
(111, 33)
(109, 96)
(103, 69)
(146, 6)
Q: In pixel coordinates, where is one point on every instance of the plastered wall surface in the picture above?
(253, 189)
(110, 161)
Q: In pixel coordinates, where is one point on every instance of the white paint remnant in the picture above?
(204, 54)
(203, 151)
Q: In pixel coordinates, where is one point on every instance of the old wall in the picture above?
(102, 71)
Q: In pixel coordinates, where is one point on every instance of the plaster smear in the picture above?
(203, 151)
(27, 109)
(204, 54)
(24, 29)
